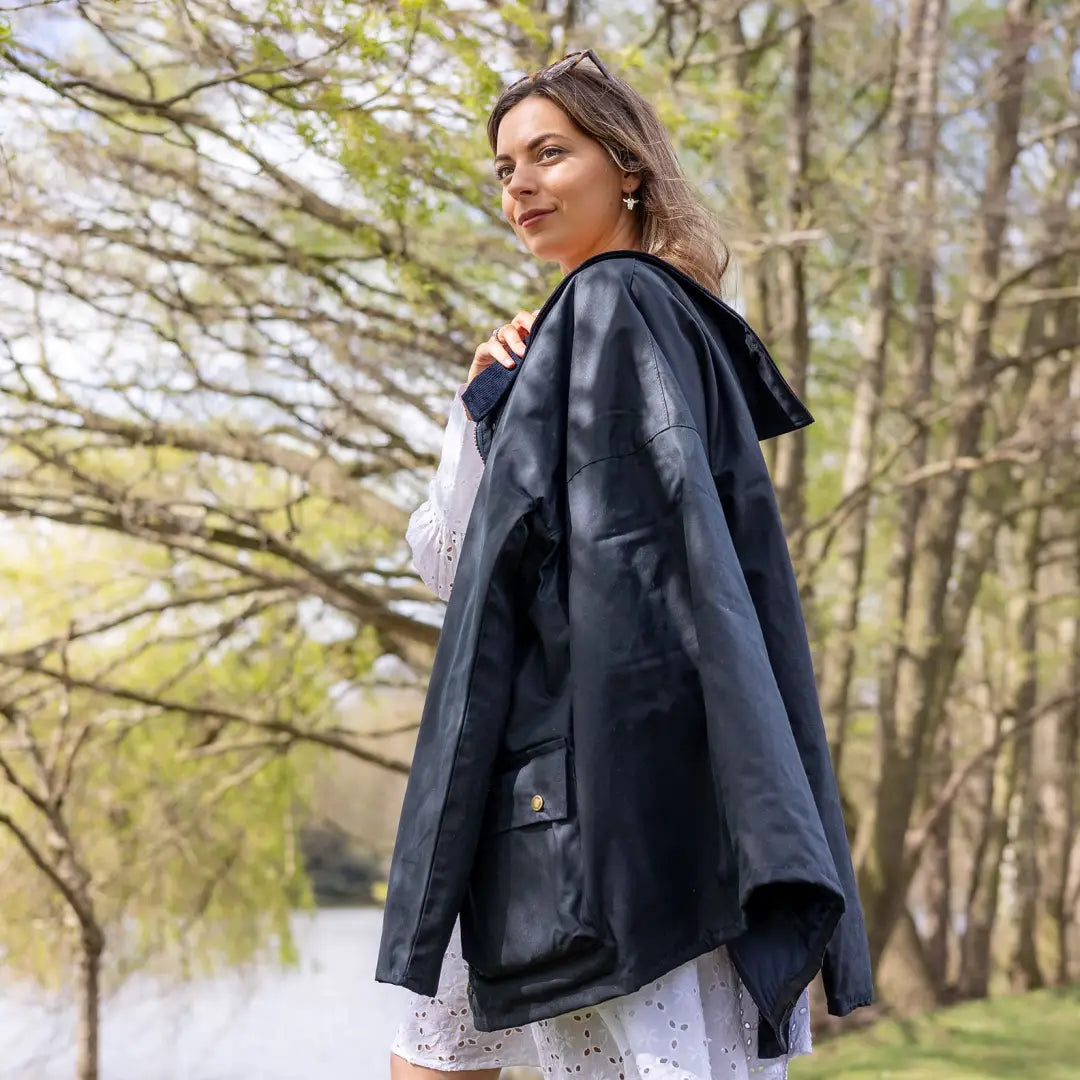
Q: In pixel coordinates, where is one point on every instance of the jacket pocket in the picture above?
(525, 906)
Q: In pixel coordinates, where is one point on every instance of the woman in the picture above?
(587, 169)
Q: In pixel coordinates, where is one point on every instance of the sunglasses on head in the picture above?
(565, 64)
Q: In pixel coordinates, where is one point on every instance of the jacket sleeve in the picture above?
(769, 587)
(461, 726)
(751, 535)
(768, 591)
(704, 502)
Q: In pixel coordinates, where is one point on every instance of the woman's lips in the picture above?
(529, 222)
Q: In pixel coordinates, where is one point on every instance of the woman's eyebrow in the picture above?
(532, 143)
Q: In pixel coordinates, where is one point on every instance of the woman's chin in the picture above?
(546, 250)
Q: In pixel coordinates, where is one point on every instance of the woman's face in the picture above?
(544, 162)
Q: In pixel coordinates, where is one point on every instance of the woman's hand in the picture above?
(496, 349)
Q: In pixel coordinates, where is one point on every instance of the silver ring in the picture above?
(495, 334)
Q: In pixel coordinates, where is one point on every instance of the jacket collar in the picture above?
(774, 406)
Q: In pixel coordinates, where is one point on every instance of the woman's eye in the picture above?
(504, 170)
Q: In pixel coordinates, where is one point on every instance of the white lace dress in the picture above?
(696, 1022)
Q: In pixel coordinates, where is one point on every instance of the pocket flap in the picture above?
(531, 792)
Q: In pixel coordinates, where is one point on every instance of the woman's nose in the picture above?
(521, 183)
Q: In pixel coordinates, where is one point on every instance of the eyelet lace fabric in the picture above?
(696, 1022)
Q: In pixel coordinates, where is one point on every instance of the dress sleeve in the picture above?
(437, 525)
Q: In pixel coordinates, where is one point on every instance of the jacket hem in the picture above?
(418, 984)
(774, 1031)
(598, 990)
(843, 1006)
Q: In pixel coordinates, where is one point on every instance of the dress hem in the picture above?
(442, 1065)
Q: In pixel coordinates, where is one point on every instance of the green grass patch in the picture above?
(1025, 1037)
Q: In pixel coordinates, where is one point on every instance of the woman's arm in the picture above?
(437, 526)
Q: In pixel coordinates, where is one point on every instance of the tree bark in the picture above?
(938, 878)
(980, 913)
(923, 660)
(925, 131)
(790, 465)
(760, 295)
(87, 1048)
(1026, 973)
(1068, 786)
(838, 664)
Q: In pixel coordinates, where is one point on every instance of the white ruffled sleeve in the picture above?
(437, 526)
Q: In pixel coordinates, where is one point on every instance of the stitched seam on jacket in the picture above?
(652, 349)
(640, 446)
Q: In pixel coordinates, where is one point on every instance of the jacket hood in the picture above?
(774, 407)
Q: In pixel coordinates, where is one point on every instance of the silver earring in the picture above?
(630, 201)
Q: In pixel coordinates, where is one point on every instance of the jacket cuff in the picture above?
(843, 1006)
(487, 389)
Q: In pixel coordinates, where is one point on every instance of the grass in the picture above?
(1030, 1036)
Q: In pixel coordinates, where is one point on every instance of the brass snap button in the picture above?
(538, 802)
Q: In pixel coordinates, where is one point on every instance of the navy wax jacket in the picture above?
(621, 762)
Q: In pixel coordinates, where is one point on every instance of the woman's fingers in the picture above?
(517, 330)
(513, 340)
(506, 346)
(487, 353)
(501, 352)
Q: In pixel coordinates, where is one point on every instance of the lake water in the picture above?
(326, 1020)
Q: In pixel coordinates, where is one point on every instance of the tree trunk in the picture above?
(757, 282)
(1068, 785)
(790, 466)
(838, 662)
(925, 661)
(923, 147)
(91, 946)
(938, 878)
(919, 376)
(976, 943)
(1026, 974)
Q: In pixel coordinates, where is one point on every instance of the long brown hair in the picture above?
(675, 225)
